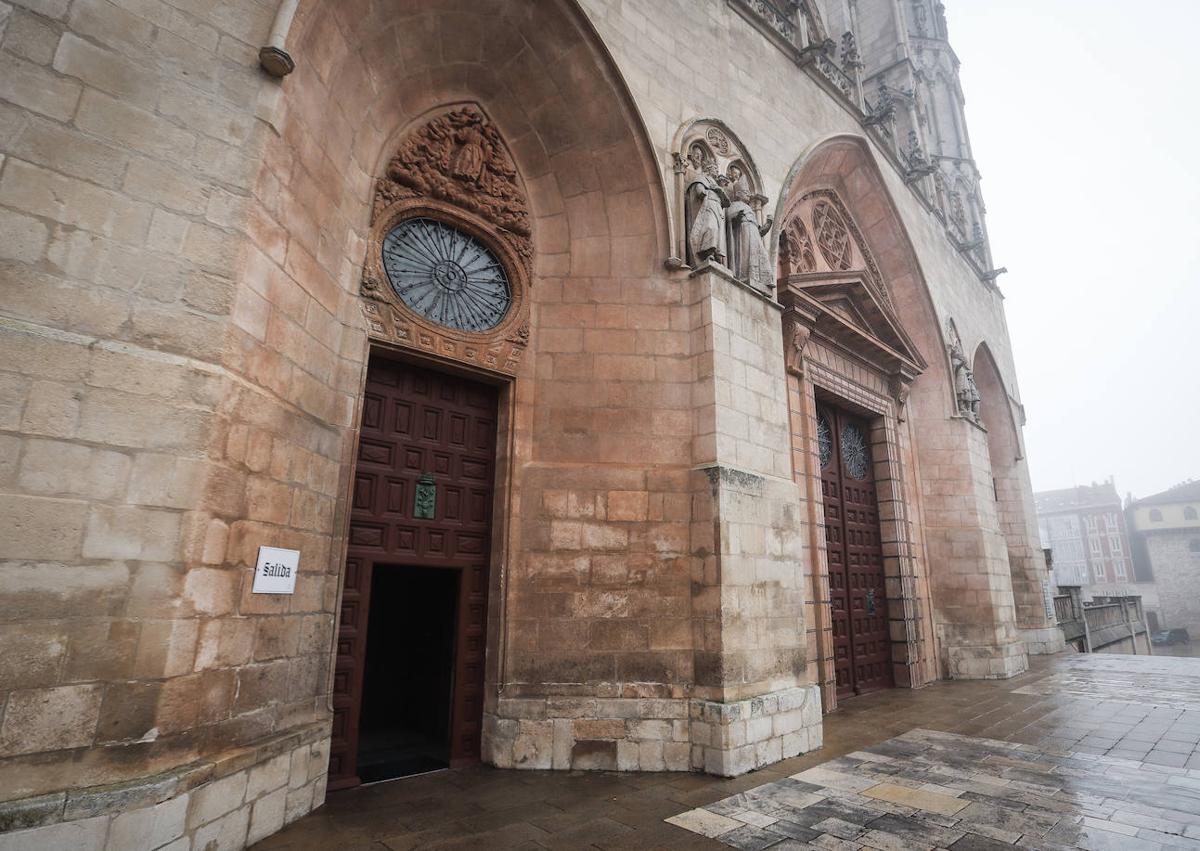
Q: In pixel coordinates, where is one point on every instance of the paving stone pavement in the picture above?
(1086, 739)
(926, 790)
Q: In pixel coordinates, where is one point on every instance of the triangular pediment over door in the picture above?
(831, 288)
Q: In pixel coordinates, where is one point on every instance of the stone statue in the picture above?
(704, 209)
(965, 391)
(748, 257)
(469, 159)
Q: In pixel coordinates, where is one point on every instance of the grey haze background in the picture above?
(1084, 117)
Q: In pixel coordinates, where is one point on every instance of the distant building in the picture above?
(1084, 528)
(1165, 537)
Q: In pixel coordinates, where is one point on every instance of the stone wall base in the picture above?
(986, 662)
(229, 803)
(615, 734)
(729, 739)
(653, 734)
(1043, 641)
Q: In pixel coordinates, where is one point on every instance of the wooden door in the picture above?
(422, 497)
(858, 595)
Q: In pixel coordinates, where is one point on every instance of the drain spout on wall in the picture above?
(273, 56)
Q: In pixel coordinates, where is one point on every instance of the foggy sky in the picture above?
(1084, 117)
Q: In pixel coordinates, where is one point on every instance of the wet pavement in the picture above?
(1191, 649)
(1083, 751)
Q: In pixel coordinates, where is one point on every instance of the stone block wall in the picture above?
(667, 608)
(748, 522)
(1015, 513)
(145, 459)
(730, 738)
(1175, 560)
(610, 733)
(229, 803)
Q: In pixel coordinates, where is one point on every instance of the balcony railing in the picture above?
(1110, 620)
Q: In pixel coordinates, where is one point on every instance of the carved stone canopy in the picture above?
(820, 237)
(455, 172)
(847, 314)
(706, 150)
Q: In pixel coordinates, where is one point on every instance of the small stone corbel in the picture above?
(797, 342)
(899, 389)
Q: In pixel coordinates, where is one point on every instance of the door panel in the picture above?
(858, 596)
(418, 423)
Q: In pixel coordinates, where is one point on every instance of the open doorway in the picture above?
(408, 678)
(409, 672)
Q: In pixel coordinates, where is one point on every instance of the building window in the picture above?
(1120, 570)
(1155, 515)
(1189, 513)
(1114, 545)
(1194, 546)
(1098, 570)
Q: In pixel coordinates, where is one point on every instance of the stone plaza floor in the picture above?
(1083, 751)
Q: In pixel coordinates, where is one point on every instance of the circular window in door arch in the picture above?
(446, 275)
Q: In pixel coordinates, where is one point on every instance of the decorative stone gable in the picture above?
(832, 290)
(820, 237)
(451, 190)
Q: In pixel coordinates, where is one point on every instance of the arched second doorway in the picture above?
(851, 364)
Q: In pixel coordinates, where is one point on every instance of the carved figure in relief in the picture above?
(459, 157)
(965, 391)
(469, 159)
(749, 259)
(704, 208)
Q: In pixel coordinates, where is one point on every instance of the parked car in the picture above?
(1170, 636)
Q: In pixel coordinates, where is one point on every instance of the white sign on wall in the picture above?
(276, 571)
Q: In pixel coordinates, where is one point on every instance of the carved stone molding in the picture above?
(455, 170)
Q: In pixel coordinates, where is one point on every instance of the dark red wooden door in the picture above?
(421, 430)
(857, 592)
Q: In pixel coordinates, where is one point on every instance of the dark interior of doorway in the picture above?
(408, 679)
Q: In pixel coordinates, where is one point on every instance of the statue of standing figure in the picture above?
(749, 259)
(704, 208)
(965, 391)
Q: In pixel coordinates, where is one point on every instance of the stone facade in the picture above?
(187, 315)
(228, 803)
(1176, 562)
(1086, 530)
(1165, 529)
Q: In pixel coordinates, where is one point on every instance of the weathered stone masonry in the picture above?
(186, 320)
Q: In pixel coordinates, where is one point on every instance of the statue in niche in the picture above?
(704, 208)
(749, 259)
(965, 392)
